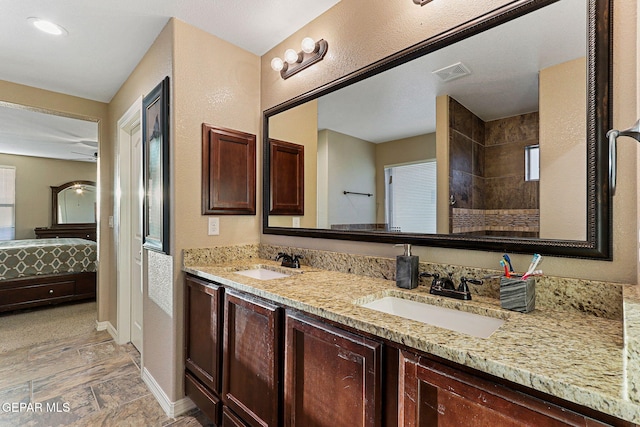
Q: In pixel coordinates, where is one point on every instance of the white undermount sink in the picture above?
(460, 321)
(262, 274)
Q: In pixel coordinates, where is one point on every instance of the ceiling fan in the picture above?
(86, 156)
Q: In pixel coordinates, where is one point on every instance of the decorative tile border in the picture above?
(478, 220)
(601, 299)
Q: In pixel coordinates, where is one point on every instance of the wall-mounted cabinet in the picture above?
(228, 172)
(287, 178)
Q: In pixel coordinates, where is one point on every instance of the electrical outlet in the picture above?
(111, 221)
(296, 222)
(214, 226)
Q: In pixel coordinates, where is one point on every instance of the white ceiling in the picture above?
(106, 41)
(107, 38)
(504, 64)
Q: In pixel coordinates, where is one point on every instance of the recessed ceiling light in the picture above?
(48, 26)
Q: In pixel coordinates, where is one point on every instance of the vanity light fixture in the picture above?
(48, 26)
(295, 62)
(421, 2)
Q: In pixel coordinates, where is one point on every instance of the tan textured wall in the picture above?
(34, 178)
(350, 166)
(299, 125)
(217, 83)
(355, 41)
(563, 151)
(89, 110)
(442, 157)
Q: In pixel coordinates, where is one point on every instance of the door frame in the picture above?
(122, 222)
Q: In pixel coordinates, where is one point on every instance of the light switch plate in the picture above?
(214, 226)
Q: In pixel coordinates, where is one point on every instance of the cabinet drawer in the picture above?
(37, 292)
(204, 399)
(229, 419)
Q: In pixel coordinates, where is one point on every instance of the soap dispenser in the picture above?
(407, 269)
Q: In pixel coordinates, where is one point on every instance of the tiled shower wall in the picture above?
(486, 174)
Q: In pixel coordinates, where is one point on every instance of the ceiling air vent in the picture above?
(452, 72)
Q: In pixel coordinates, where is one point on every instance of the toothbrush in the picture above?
(534, 273)
(508, 261)
(506, 269)
(532, 267)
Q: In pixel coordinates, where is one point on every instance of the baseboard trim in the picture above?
(107, 326)
(172, 409)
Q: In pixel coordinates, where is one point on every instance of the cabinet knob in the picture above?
(50, 291)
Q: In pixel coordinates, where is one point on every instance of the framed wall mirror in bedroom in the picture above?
(74, 203)
(490, 136)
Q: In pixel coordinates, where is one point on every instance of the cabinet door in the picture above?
(203, 331)
(287, 178)
(437, 395)
(252, 354)
(332, 377)
(228, 171)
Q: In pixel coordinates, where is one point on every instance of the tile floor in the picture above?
(87, 380)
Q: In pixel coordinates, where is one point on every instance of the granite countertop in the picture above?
(576, 357)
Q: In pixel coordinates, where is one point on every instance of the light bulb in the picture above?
(308, 45)
(277, 64)
(47, 26)
(291, 56)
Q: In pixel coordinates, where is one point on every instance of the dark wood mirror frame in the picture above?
(54, 203)
(56, 230)
(598, 244)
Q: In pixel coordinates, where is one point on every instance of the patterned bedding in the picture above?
(22, 258)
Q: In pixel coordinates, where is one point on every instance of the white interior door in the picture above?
(136, 238)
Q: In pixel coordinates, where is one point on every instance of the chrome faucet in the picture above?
(445, 287)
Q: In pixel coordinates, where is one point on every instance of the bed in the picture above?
(46, 271)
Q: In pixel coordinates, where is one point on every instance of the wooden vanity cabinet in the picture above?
(251, 384)
(203, 345)
(434, 394)
(245, 368)
(332, 377)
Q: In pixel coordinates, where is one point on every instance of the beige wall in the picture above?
(349, 165)
(299, 125)
(563, 151)
(212, 82)
(86, 109)
(442, 157)
(34, 178)
(217, 83)
(354, 42)
(406, 150)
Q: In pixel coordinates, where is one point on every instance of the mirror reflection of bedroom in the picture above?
(48, 214)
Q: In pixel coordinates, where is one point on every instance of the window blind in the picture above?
(411, 197)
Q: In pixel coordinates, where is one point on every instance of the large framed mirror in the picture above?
(490, 136)
(73, 203)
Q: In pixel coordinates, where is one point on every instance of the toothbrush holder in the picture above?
(517, 294)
